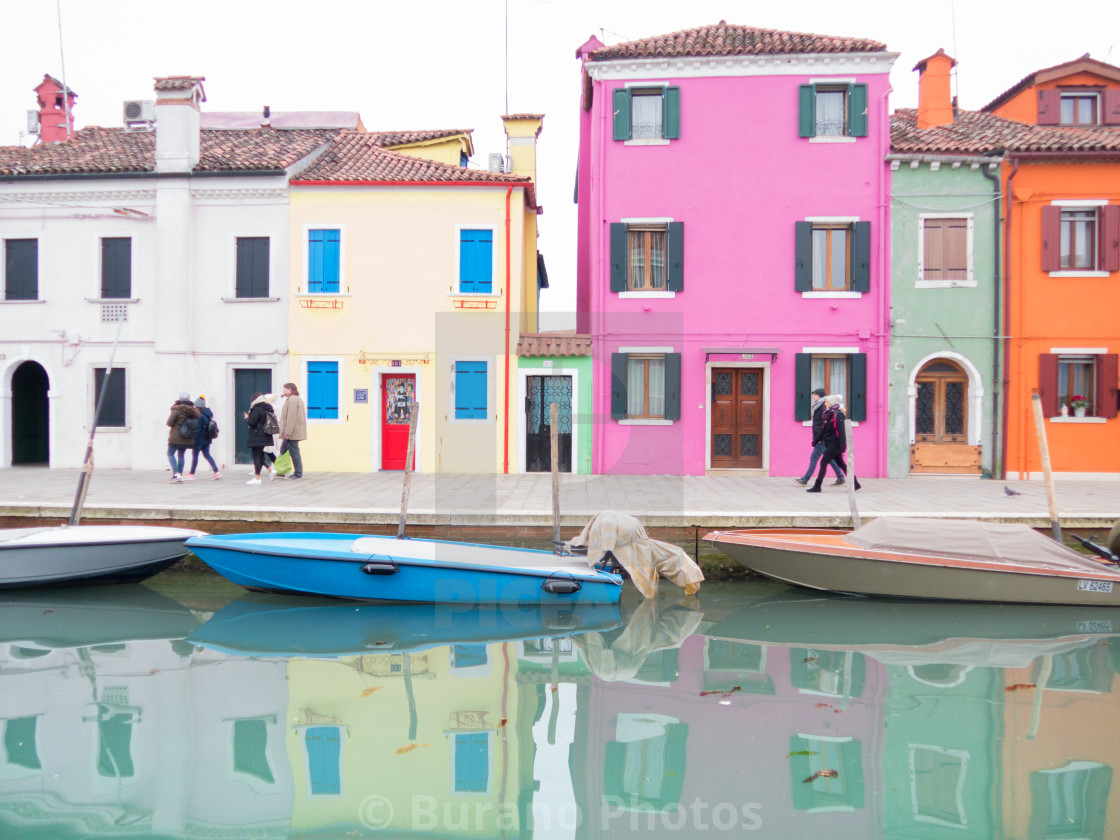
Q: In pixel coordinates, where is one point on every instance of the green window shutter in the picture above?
(802, 398)
(861, 257)
(803, 256)
(857, 398)
(671, 113)
(857, 110)
(806, 111)
(676, 256)
(619, 365)
(672, 386)
(618, 256)
(851, 771)
(622, 114)
(800, 769)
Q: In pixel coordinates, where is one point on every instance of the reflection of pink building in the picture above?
(645, 751)
(733, 232)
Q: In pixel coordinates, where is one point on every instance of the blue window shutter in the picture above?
(857, 370)
(676, 256)
(322, 390)
(324, 746)
(470, 391)
(618, 256)
(802, 398)
(323, 253)
(803, 256)
(621, 114)
(620, 363)
(857, 110)
(861, 257)
(806, 111)
(672, 386)
(671, 113)
(472, 762)
(476, 261)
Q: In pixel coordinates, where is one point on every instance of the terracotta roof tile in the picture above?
(554, 343)
(976, 132)
(401, 138)
(178, 82)
(728, 39)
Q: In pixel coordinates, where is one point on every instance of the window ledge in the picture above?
(1082, 273)
(646, 294)
(472, 421)
(103, 301)
(833, 295)
(253, 299)
(475, 295)
(645, 421)
(833, 139)
(945, 284)
(37, 300)
(110, 430)
(648, 141)
(1078, 419)
(316, 295)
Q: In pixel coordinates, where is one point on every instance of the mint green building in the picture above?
(554, 367)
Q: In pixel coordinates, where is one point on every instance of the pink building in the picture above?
(733, 246)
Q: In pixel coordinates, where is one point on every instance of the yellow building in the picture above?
(414, 278)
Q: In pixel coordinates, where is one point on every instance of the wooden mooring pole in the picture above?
(413, 411)
(1044, 452)
(554, 439)
(851, 477)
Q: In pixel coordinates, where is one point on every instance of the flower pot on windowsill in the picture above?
(1079, 411)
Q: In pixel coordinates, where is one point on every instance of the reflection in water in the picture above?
(124, 715)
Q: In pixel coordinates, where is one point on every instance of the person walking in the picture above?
(293, 427)
(835, 440)
(182, 413)
(816, 413)
(260, 418)
(202, 440)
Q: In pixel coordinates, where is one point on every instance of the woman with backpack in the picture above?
(183, 422)
(262, 423)
(207, 431)
(834, 438)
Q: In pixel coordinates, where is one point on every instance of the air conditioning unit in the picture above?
(32, 122)
(497, 162)
(139, 111)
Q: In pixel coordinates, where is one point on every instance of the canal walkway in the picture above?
(524, 501)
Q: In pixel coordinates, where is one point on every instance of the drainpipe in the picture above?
(999, 397)
(884, 325)
(505, 432)
(1007, 313)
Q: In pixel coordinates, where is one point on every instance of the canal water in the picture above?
(186, 707)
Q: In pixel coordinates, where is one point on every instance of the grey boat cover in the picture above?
(653, 626)
(971, 539)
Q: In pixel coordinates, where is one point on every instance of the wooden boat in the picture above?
(390, 569)
(952, 560)
(66, 555)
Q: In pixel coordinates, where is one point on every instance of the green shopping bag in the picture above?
(283, 464)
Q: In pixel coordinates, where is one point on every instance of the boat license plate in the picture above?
(1095, 585)
(1101, 626)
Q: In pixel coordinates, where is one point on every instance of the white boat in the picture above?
(78, 554)
(940, 559)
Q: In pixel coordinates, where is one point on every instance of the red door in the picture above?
(397, 392)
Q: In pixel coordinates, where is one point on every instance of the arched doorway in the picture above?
(941, 421)
(31, 432)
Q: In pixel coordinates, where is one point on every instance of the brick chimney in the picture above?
(178, 122)
(935, 100)
(56, 112)
(522, 131)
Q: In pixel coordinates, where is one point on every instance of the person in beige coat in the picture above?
(293, 427)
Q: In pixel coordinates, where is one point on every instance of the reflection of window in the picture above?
(645, 764)
(114, 731)
(471, 761)
(468, 656)
(840, 673)
(1070, 802)
(729, 664)
(19, 743)
(937, 779)
(1074, 671)
(645, 386)
(832, 110)
(323, 745)
(826, 773)
(647, 113)
(250, 748)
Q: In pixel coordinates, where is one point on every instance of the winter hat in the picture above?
(835, 399)
(184, 397)
(200, 402)
(819, 392)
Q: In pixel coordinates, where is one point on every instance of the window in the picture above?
(1080, 237)
(838, 372)
(832, 110)
(324, 252)
(113, 408)
(1079, 106)
(476, 261)
(322, 390)
(647, 256)
(1079, 109)
(21, 269)
(646, 386)
(116, 267)
(945, 251)
(471, 387)
(253, 266)
(647, 113)
(832, 256)
(1062, 377)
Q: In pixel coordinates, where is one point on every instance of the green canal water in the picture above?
(187, 707)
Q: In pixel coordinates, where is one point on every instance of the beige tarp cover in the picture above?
(971, 539)
(644, 558)
(651, 628)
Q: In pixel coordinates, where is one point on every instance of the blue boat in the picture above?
(384, 568)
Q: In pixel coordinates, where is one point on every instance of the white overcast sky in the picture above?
(441, 64)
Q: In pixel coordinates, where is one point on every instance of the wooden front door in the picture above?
(941, 421)
(397, 392)
(736, 418)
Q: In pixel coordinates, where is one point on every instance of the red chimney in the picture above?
(935, 101)
(56, 113)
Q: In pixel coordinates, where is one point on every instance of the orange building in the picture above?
(1061, 185)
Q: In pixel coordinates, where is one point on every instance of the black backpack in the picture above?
(271, 425)
(212, 429)
(188, 428)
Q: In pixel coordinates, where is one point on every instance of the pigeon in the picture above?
(1011, 492)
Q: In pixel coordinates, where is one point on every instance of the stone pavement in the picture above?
(718, 501)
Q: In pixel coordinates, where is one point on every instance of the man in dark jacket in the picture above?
(835, 439)
(182, 412)
(817, 413)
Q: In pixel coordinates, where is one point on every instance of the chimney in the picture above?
(178, 120)
(522, 131)
(56, 112)
(935, 102)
